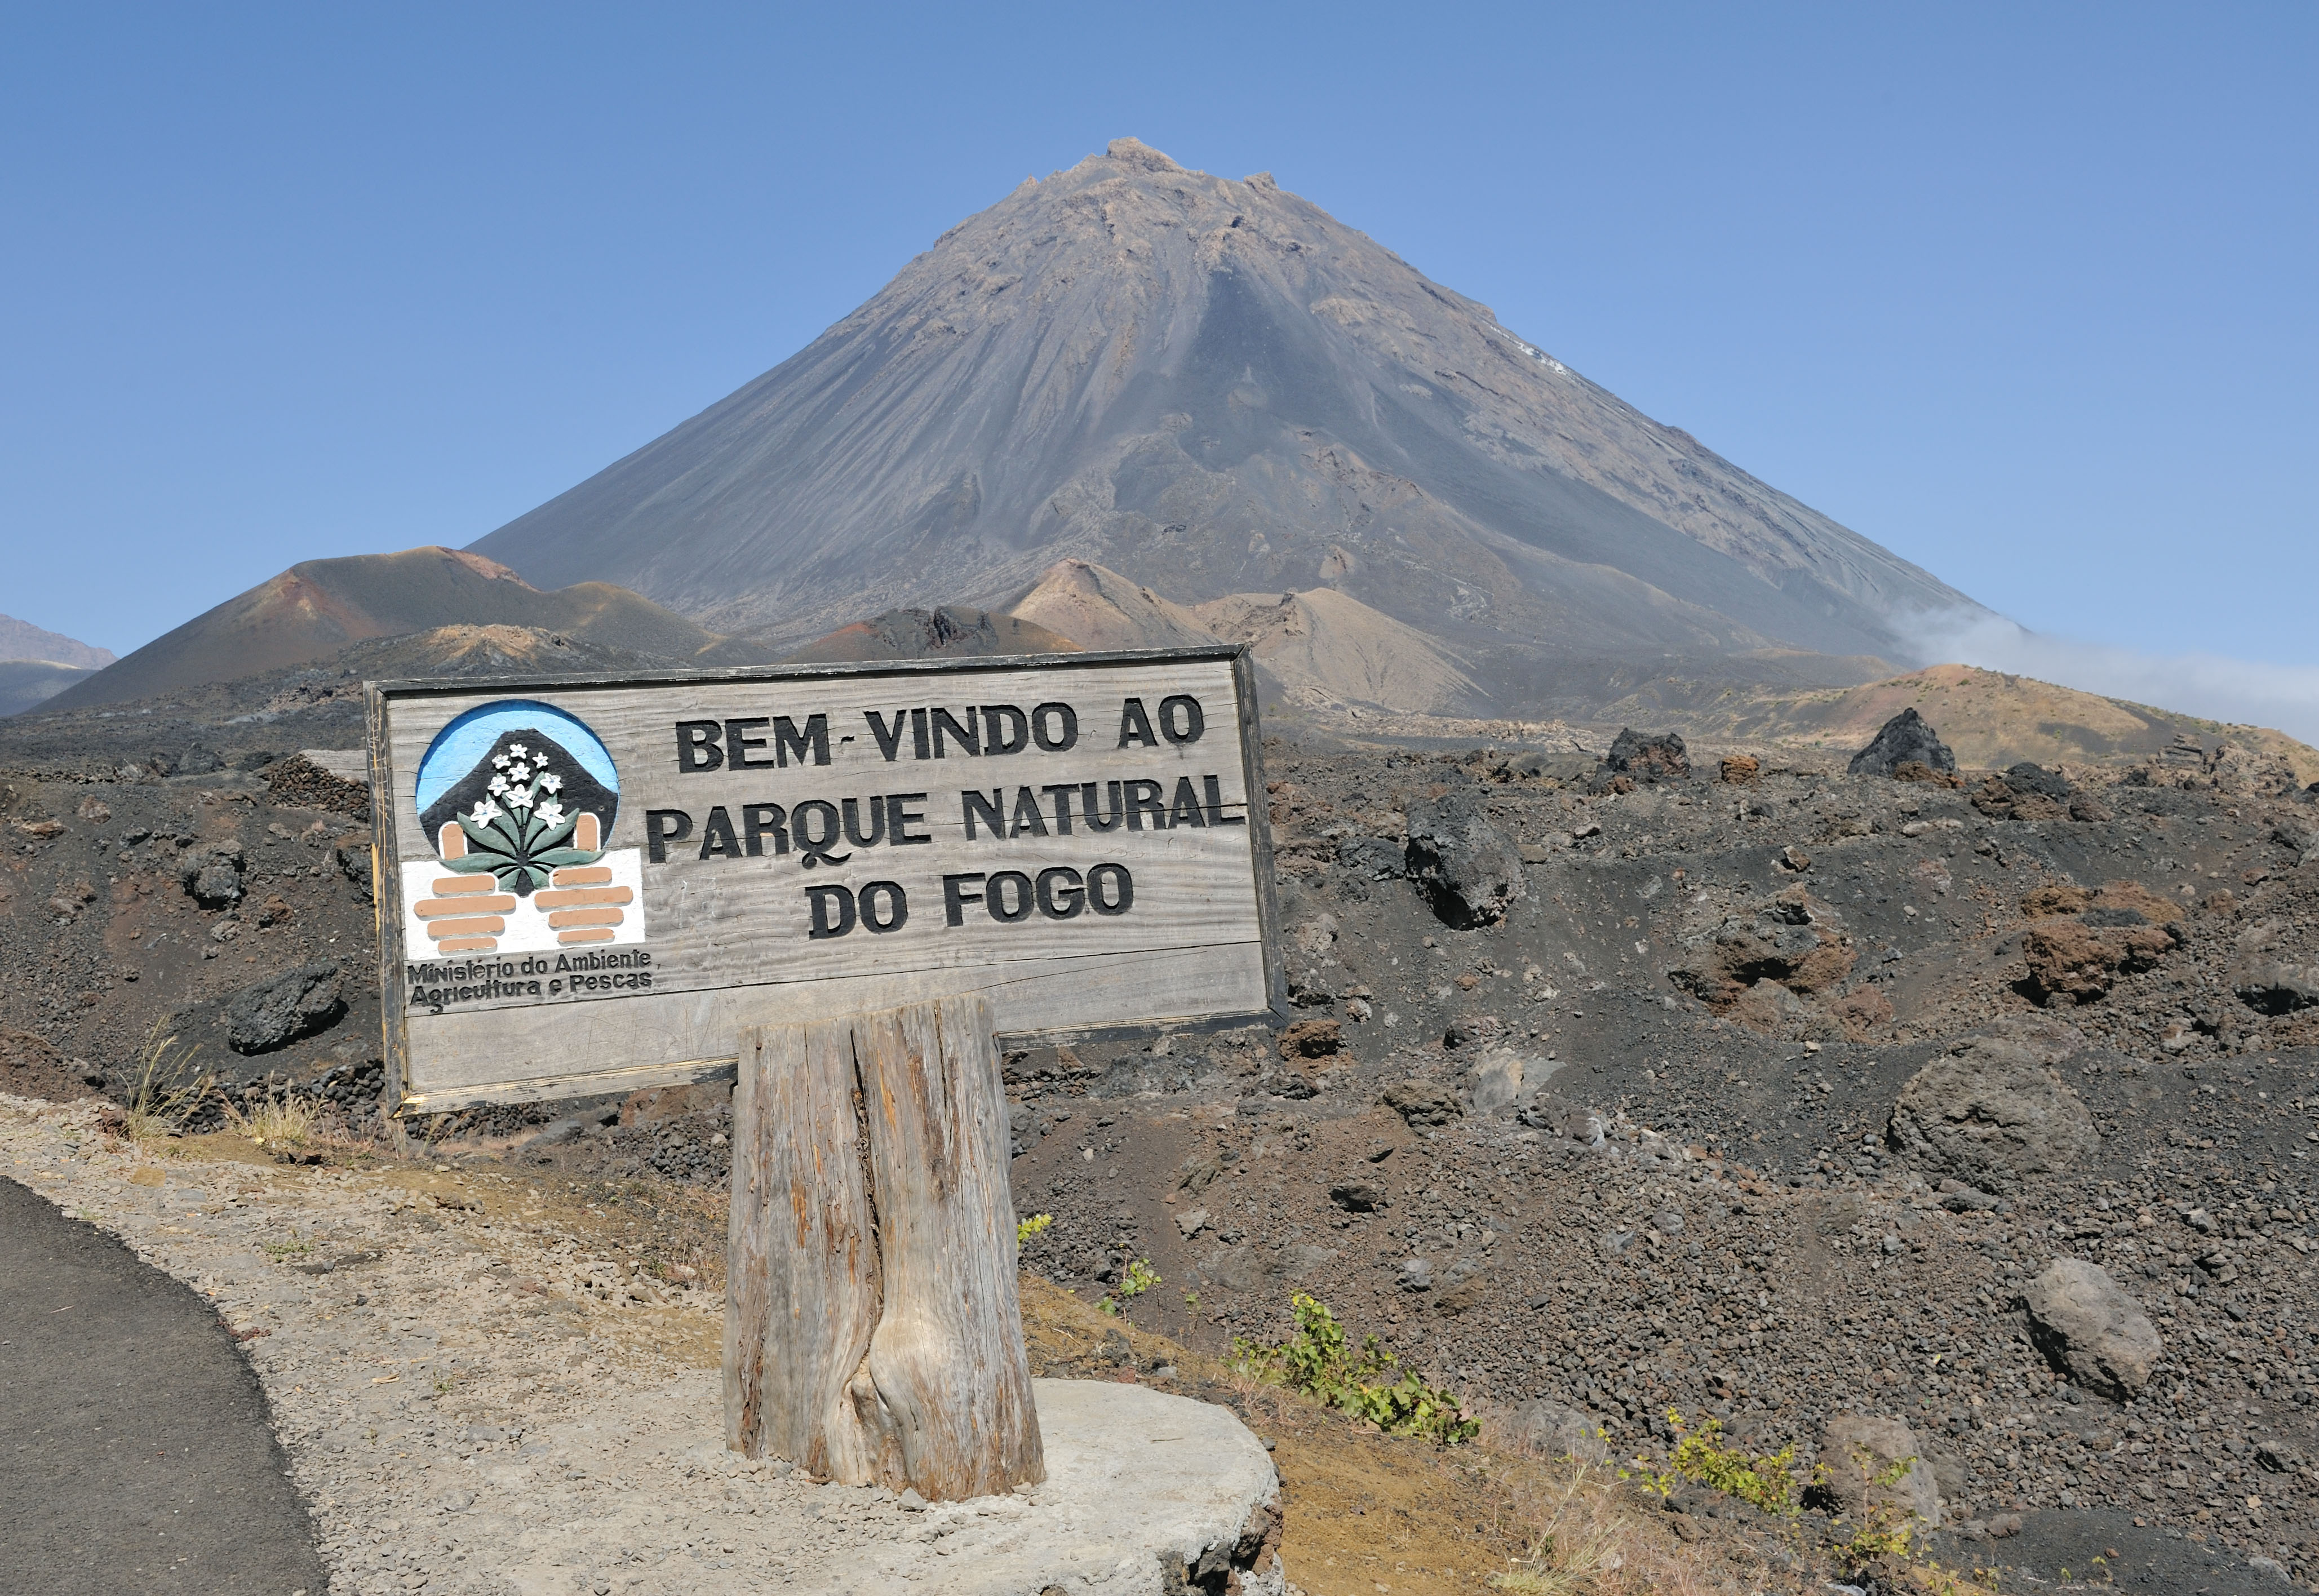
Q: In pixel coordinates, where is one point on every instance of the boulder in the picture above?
(1557, 1431)
(277, 1011)
(1358, 1195)
(1740, 770)
(1905, 739)
(2077, 959)
(1468, 870)
(2269, 986)
(2026, 778)
(1497, 1083)
(1993, 1110)
(1859, 1453)
(2090, 1329)
(1423, 1102)
(212, 876)
(1648, 757)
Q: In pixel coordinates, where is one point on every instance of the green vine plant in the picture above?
(1766, 1482)
(1886, 1529)
(1318, 1361)
(518, 831)
(1141, 1278)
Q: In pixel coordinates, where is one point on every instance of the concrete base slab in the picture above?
(1140, 1486)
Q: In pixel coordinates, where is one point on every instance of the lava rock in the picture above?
(1357, 1196)
(1993, 1110)
(2275, 989)
(1470, 870)
(1311, 1039)
(1648, 757)
(2089, 1328)
(1740, 770)
(1423, 1102)
(1905, 739)
(2028, 777)
(276, 1012)
(212, 876)
(2073, 960)
(1559, 1431)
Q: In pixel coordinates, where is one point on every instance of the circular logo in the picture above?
(518, 789)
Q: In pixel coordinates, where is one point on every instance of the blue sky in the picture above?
(2024, 292)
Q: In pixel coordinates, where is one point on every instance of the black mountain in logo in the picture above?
(542, 760)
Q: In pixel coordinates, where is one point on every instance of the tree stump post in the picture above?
(873, 1333)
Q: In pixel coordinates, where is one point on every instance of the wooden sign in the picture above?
(594, 886)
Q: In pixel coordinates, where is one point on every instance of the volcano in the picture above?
(1212, 387)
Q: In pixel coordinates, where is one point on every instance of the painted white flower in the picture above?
(484, 812)
(518, 772)
(499, 785)
(499, 762)
(552, 783)
(549, 813)
(515, 749)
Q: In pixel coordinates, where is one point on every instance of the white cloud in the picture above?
(2285, 698)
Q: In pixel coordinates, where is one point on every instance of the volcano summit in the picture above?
(1213, 387)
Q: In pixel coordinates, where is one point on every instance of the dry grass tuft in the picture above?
(283, 1123)
(169, 1091)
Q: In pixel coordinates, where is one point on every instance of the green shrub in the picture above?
(1317, 1361)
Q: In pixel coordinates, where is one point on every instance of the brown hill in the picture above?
(313, 610)
(1212, 387)
(1990, 718)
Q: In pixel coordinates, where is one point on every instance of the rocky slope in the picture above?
(1213, 387)
(1619, 1080)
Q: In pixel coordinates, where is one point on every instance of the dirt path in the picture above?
(477, 1398)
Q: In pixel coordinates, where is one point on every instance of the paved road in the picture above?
(134, 1449)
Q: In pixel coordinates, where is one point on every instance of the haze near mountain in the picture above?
(1210, 387)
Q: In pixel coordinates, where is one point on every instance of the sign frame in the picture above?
(388, 839)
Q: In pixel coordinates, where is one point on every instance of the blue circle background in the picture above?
(461, 745)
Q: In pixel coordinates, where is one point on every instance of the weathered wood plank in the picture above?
(873, 1330)
(709, 942)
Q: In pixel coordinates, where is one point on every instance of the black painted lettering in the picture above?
(760, 821)
(957, 891)
(662, 827)
(1184, 709)
(1087, 806)
(918, 734)
(816, 848)
(973, 804)
(697, 745)
(832, 912)
(814, 740)
(900, 817)
(738, 745)
(1005, 729)
(1185, 809)
(1054, 727)
(853, 822)
(1061, 893)
(889, 738)
(1136, 726)
(1110, 889)
(1062, 796)
(896, 911)
(996, 892)
(1143, 798)
(1027, 820)
(717, 838)
(1216, 816)
(968, 737)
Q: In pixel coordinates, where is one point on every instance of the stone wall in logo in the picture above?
(518, 798)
